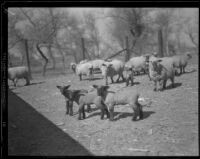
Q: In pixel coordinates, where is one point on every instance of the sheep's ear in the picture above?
(59, 87)
(95, 86)
(106, 87)
(160, 60)
(110, 65)
(66, 87)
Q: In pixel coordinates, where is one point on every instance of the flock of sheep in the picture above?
(159, 70)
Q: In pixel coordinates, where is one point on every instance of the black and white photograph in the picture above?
(102, 81)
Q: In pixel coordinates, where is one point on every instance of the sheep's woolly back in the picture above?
(83, 68)
(97, 63)
(17, 72)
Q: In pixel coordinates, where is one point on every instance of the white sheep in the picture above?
(123, 97)
(84, 69)
(181, 61)
(160, 70)
(138, 63)
(15, 73)
(110, 69)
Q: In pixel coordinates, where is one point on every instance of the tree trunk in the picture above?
(27, 58)
(9, 60)
(44, 57)
(160, 43)
(83, 49)
(52, 57)
(127, 50)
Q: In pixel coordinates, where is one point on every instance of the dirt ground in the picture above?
(169, 127)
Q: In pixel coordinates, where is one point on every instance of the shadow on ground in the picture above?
(175, 86)
(121, 115)
(30, 133)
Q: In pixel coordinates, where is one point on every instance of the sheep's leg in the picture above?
(102, 113)
(136, 111)
(88, 108)
(118, 78)
(80, 111)
(106, 111)
(183, 69)
(27, 80)
(172, 80)
(123, 79)
(80, 77)
(127, 82)
(155, 86)
(83, 112)
(106, 80)
(111, 79)
(140, 112)
(164, 84)
(15, 82)
(111, 110)
(71, 108)
(67, 107)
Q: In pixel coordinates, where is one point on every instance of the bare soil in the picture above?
(169, 127)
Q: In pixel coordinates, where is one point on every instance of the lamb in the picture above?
(68, 94)
(110, 69)
(123, 97)
(15, 73)
(181, 61)
(160, 70)
(89, 98)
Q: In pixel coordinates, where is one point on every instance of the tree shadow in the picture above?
(175, 86)
(30, 133)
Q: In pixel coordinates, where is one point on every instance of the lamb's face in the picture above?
(73, 67)
(101, 90)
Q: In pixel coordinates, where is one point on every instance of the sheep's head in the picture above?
(73, 67)
(155, 65)
(104, 68)
(101, 90)
(63, 88)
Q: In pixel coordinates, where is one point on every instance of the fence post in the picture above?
(127, 57)
(160, 43)
(83, 48)
(27, 57)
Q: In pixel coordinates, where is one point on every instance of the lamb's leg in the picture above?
(15, 82)
(107, 113)
(140, 112)
(80, 111)
(111, 110)
(70, 108)
(67, 107)
(83, 111)
(118, 78)
(88, 108)
(136, 112)
(123, 79)
(102, 113)
(80, 77)
(155, 86)
(172, 80)
(111, 79)
(27, 80)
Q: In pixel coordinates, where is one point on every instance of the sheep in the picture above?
(160, 70)
(138, 64)
(123, 97)
(73, 66)
(110, 69)
(68, 94)
(181, 61)
(15, 73)
(83, 99)
(84, 69)
(129, 74)
(96, 64)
